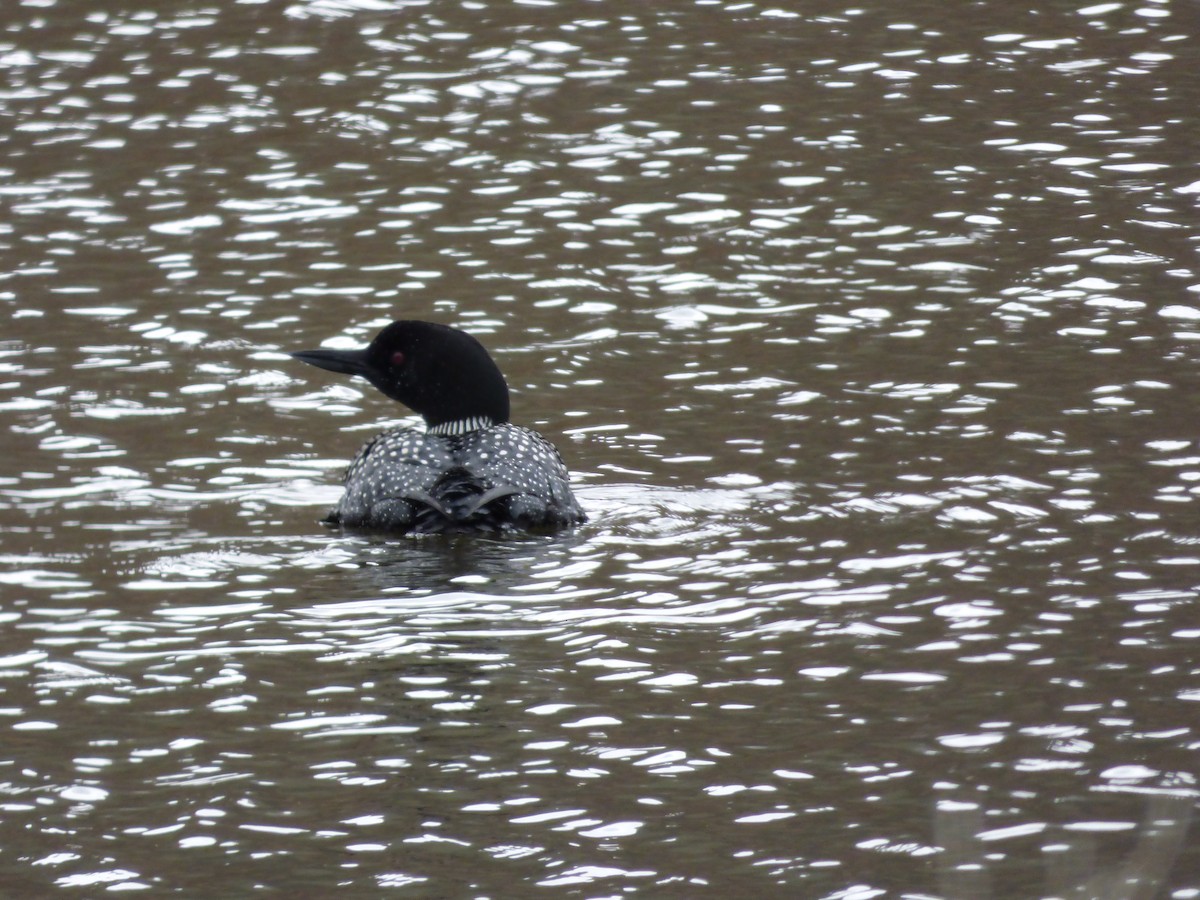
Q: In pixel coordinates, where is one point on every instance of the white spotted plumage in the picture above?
(391, 478)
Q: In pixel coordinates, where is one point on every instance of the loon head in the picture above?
(441, 373)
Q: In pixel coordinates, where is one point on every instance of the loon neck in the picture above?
(461, 426)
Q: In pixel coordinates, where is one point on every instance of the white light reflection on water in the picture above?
(880, 403)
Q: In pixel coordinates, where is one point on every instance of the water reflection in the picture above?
(1073, 866)
(869, 332)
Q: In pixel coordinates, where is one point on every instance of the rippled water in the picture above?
(869, 333)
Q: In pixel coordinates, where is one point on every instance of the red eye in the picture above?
(397, 359)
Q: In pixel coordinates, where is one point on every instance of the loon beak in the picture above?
(347, 362)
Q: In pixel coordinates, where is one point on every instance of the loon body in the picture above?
(471, 470)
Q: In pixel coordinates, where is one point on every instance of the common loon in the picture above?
(470, 470)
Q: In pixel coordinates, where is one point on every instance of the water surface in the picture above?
(869, 334)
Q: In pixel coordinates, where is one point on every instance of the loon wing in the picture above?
(465, 507)
(429, 500)
(477, 503)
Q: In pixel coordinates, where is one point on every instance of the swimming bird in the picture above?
(470, 470)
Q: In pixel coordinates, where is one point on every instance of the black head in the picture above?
(439, 372)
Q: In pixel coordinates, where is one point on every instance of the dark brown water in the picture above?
(870, 334)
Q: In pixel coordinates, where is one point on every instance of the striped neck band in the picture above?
(461, 426)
